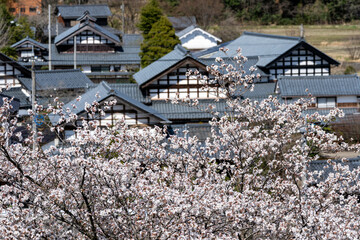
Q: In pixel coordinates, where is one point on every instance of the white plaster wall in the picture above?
(199, 42)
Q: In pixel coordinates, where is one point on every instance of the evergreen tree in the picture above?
(20, 30)
(160, 40)
(10, 52)
(150, 14)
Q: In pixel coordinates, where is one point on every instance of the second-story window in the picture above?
(326, 102)
(32, 9)
(22, 10)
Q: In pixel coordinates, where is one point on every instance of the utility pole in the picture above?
(302, 34)
(49, 37)
(33, 89)
(123, 16)
(75, 52)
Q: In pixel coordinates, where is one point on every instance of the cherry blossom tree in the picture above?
(249, 180)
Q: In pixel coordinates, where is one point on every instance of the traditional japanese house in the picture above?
(128, 109)
(29, 49)
(101, 54)
(67, 15)
(327, 92)
(65, 84)
(277, 55)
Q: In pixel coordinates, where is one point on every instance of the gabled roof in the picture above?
(16, 65)
(268, 61)
(86, 16)
(75, 11)
(254, 44)
(186, 30)
(180, 23)
(333, 85)
(31, 41)
(58, 79)
(161, 65)
(18, 93)
(193, 29)
(87, 24)
(57, 29)
(269, 48)
(105, 91)
(183, 111)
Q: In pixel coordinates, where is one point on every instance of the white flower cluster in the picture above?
(249, 180)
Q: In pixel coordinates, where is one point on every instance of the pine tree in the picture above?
(150, 14)
(160, 40)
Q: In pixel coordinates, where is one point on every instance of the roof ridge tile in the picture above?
(272, 36)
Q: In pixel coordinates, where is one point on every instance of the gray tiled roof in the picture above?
(18, 93)
(186, 30)
(251, 62)
(36, 43)
(267, 47)
(162, 64)
(182, 22)
(264, 46)
(261, 91)
(58, 79)
(82, 25)
(133, 40)
(333, 85)
(104, 91)
(75, 11)
(130, 89)
(323, 165)
(181, 111)
(128, 55)
(60, 28)
(201, 130)
(15, 103)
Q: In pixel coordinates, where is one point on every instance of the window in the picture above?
(324, 102)
(27, 53)
(32, 9)
(100, 68)
(22, 10)
(11, 9)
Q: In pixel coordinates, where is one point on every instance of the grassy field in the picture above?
(334, 40)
